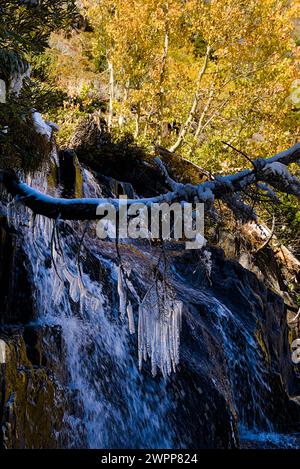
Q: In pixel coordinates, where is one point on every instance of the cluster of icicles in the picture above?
(159, 324)
(159, 313)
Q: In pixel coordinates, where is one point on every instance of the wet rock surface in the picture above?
(234, 369)
(34, 392)
(71, 377)
(16, 291)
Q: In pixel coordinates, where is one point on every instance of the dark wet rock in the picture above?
(67, 172)
(235, 365)
(249, 350)
(121, 160)
(33, 393)
(16, 304)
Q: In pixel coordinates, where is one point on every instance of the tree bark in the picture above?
(121, 119)
(111, 94)
(161, 83)
(195, 103)
(224, 188)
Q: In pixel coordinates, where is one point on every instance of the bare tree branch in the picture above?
(272, 171)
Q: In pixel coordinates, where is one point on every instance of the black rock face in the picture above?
(235, 369)
(245, 349)
(16, 303)
(34, 394)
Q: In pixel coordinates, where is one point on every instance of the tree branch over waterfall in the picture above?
(272, 171)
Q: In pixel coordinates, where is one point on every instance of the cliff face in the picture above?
(244, 343)
(71, 376)
(33, 395)
(235, 366)
(34, 381)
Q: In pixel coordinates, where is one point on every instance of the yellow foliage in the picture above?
(156, 51)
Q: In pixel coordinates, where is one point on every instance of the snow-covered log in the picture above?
(272, 171)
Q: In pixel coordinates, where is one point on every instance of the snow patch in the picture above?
(2, 352)
(53, 126)
(16, 82)
(2, 92)
(41, 126)
(277, 169)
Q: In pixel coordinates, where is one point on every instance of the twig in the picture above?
(240, 152)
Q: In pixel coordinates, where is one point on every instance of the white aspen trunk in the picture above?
(194, 106)
(111, 94)
(137, 121)
(121, 119)
(204, 112)
(201, 120)
(161, 84)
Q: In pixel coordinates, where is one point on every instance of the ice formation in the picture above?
(159, 329)
(100, 361)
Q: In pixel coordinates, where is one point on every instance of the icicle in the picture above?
(207, 261)
(130, 318)
(121, 293)
(159, 330)
(74, 291)
(11, 213)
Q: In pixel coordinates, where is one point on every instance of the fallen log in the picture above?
(272, 171)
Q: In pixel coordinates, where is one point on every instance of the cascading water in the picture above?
(80, 286)
(120, 408)
(248, 372)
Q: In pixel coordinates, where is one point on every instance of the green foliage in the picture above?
(11, 63)
(287, 216)
(26, 25)
(24, 31)
(21, 147)
(40, 65)
(199, 45)
(156, 51)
